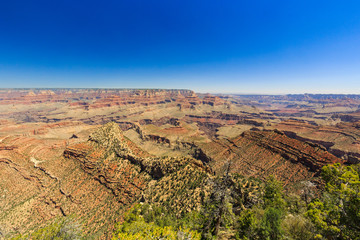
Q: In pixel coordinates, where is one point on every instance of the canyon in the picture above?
(93, 153)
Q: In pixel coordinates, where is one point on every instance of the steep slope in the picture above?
(264, 153)
(38, 185)
(133, 175)
(341, 139)
(95, 181)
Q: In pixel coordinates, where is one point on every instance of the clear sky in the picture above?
(237, 46)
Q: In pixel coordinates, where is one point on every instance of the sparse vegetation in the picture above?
(148, 222)
(275, 215)
(172, 161)
(60, 229)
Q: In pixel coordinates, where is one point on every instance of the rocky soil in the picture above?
(93, 153)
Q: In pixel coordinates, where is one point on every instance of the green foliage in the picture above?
(155, 214)
(271, 224)
(142, 230)
(298, 227)
(147, 222)
(337, 213)
(325, 216)
(274, 206)
(232, 211)
(295, 204)
(217, 215)
(274, 193)
(60, 229)
(248, 225)
(192, 220)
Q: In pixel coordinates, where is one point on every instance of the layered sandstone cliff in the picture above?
(264, 153)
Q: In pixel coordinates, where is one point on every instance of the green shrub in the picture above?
(60, 229)
(144, 221)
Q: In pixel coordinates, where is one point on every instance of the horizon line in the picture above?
(176, 89)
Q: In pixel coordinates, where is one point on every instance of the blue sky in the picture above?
(287, 46)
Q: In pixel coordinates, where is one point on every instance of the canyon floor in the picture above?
(93, 153)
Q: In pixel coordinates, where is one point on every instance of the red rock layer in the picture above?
(343, 139)
(38, 185)
(100, 98)
(264, 153)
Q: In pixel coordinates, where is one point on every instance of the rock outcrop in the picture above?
(164, 147)
(131, 173)
(264, 153)
(342, 139)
